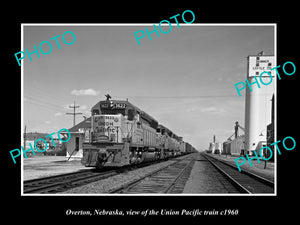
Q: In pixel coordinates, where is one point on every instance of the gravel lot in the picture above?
(44, 166)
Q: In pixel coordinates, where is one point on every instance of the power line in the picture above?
(74, 113)
(179, 97)
(42, 93)
(42, 103)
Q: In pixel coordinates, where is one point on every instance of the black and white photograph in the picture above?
(175, 117)
(162, 117)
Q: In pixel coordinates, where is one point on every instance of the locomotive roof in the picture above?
(168, 130)
(128, 106)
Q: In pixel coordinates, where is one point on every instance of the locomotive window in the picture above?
(77, 144)
(154, 124)
(113, 111)
(130, 114)
(145, 121)
(95, 112)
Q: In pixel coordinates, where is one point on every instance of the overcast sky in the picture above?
(185, 79)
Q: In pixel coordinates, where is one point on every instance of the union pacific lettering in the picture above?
(105, 129)
(105, 123)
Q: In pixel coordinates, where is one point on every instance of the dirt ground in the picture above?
(42, 166)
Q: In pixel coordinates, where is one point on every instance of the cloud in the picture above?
(213, 110)
(198, 108)
(66, 106)
(85, 92)
(220, 79)
(47, 122)
(83, 107)
(191, 109)
(58, 114)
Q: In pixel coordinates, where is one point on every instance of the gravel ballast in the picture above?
(107, 185)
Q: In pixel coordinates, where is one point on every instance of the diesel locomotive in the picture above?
(122, 134)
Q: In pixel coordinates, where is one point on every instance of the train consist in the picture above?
(122, 134)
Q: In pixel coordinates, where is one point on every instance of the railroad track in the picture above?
(244, 181)
(168, 179)
(62, 182)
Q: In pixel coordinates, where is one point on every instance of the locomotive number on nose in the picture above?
(119, 106)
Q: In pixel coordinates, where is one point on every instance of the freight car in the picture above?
(122, 134)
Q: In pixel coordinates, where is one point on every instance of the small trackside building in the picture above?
(80, 133)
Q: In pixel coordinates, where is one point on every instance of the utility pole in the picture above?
(74, 113)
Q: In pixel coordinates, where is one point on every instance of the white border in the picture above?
(143, 25)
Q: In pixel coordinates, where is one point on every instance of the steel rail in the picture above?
(64, 181)
(247, 172)
(169, 188)
(234, 180)
(152, 174)
(236, 184)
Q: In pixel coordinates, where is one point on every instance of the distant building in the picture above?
(31, 137)
(235, 146)
(215, 147)
(212, 147)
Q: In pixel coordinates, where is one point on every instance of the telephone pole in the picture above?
(74, 113)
